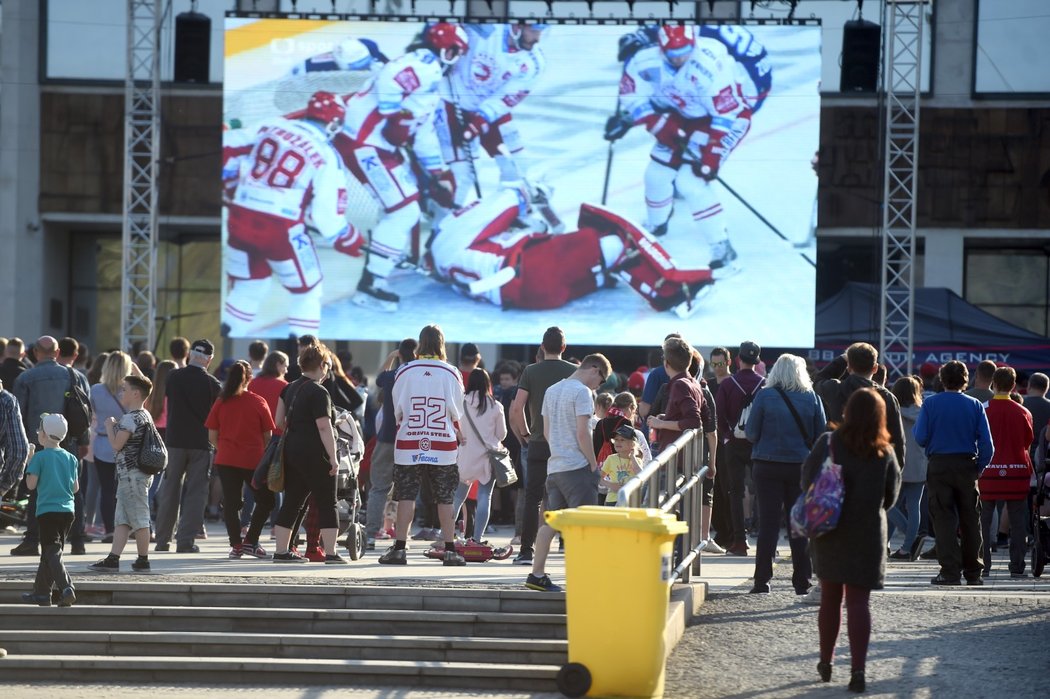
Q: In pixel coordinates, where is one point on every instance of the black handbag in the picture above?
(499, 459)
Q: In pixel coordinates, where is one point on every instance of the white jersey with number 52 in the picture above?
(294, 174)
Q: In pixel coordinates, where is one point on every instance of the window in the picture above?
(1011, 283)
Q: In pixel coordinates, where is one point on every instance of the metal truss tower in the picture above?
(138, 297)
(902, 71)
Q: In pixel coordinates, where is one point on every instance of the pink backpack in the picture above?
(817, 510)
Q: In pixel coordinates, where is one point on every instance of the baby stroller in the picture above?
(1041, 520)
(349, 447)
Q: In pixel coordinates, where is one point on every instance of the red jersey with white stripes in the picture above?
(428, 400)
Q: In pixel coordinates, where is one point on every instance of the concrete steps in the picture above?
(138, 630)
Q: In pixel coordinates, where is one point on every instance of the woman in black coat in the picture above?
(850, 560)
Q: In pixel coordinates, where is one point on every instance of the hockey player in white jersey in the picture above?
(486, 253)
(500, 70)
(291, 183)
(346, 68)
(686, 93)
(395, 114)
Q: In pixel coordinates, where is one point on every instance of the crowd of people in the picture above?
(930, 456)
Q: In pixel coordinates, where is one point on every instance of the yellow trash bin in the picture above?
(618, 578)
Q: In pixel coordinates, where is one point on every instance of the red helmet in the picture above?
(327, 109)
(449, 41)
(676, 40)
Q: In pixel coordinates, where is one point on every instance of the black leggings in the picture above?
(233, 480)
(300, 480)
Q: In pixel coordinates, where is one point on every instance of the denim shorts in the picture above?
(132, 498)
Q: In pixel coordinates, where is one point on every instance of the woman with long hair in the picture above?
(850, 560)
(305, 412)
(240, 425)
(341, 388)
(786, 418)
(489, 428)
(906, 514)
(91, 486)
(105, 403)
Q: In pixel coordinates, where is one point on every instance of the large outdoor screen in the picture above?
(620, 181)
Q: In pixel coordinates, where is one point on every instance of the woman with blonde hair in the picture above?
(906, 514)
(105, 403)
(786, 418)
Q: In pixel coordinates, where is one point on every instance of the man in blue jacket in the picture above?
(953, 429)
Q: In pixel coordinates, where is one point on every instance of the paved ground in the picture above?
(926, 642)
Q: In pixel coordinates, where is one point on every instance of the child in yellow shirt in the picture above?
(622, 465)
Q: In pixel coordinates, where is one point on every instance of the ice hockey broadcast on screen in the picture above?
(620, 181)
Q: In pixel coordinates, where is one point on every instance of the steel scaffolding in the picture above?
(902, 70)
(141, 164)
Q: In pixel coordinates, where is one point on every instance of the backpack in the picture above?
(76, 408)
(740, 429)
(153, 455)
(817, 510)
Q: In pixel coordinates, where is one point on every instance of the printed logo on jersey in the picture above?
(342, 202)
(408, 80)
(482, 72)
(626, 85)
(423, 458)
(725, 101)
(424, 444)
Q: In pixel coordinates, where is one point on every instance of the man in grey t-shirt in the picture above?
(572, 470)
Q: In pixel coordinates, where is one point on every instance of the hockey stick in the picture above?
(761, 218)
(608, 160)
(539, 198)
(466, 145)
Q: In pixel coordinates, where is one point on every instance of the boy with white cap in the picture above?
(53, 474)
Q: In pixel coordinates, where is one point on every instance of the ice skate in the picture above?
(723, 260)
(369, 295)
(697, 292)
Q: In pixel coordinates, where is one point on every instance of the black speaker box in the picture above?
(192, 47)
(861, 50)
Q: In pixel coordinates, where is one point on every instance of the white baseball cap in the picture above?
(54, 426)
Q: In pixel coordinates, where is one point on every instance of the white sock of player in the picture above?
(709, 219)
(659, 193)
(390, 239)
(510, 176)
(304, 317)
(242, 304)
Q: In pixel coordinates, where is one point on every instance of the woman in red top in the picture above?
(240, 425)
(270, 381)
(1007, 477)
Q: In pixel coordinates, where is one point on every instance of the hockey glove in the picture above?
(475, 127)
(350, 243)
(398, 128)
(666, 128)
(442, 188)
(634, 42)
(617, 126)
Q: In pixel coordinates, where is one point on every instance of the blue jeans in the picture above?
(905, 514)
(481, 517)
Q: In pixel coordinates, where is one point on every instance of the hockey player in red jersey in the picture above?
(395, 114)
(290, 183)
(485, 253)
(686, 93)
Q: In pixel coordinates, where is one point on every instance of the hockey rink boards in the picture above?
(771, 300)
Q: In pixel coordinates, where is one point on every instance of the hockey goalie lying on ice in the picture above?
(495, 251)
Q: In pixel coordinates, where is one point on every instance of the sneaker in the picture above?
(383, 535)
(162, 547)
(930, 555)
(425, 534)
(811, 597)
(722, 260)
(38, 600)
(68, 597)
(106, 565)
(335, 559)
(524, 558)
(192, 548)
(711, 547)
(315, 555)
(452, 558)
(942, 579)
(25, 549)
(541, 583)
(901, 555)
(371, 296)
(235, 552)
(370, 544)
(395, 557)
(737, 550)
(976, 582)
(141, 565)
(288, 557)
(1018, 576)
(254, 551)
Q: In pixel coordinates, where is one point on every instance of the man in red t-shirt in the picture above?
(1007, 477)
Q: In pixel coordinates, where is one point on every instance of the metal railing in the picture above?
(673, 482)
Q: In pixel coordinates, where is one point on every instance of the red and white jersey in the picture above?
(428, 400)
(705, 86)
(399, 103)
(294, 174)
(495, 75)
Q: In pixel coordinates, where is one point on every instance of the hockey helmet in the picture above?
(676, 40)
(525, 40)
(327, 109)
(449, 41)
